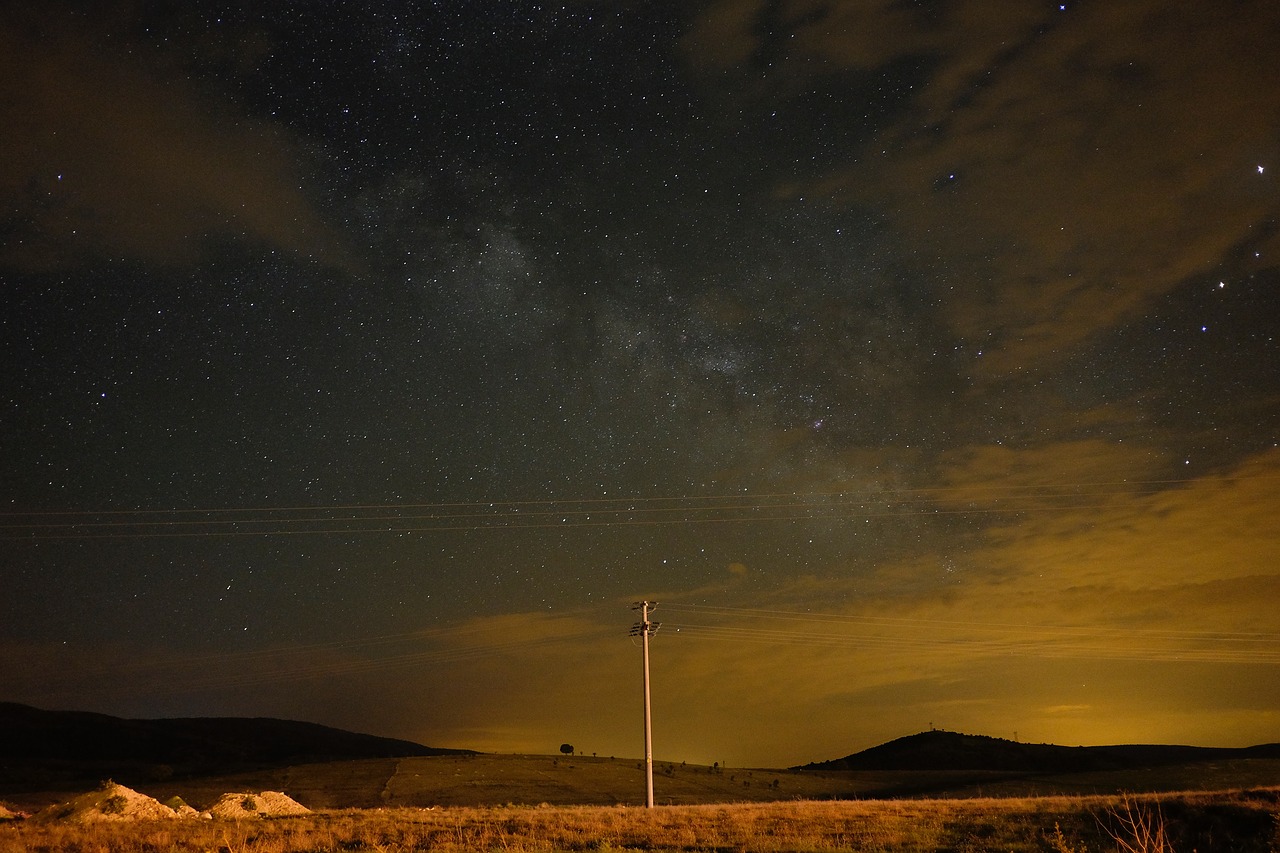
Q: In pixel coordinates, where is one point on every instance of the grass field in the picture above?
(572, 803)
(488, 780)
(1223, 822)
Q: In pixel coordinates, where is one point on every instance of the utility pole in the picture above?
(643, 629)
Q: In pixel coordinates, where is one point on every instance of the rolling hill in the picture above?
(71, 746)
(45, 754)
(952, 751)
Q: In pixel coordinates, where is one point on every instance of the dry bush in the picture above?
(1137, 827)
(1058, 843)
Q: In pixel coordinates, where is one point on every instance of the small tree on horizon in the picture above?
(566, 748)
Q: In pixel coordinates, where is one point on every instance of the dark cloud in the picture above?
(107, 156)
(1066, 167)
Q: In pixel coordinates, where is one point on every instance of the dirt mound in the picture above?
(7, 813)
(263, 804)
(115, 802)
(111, 802)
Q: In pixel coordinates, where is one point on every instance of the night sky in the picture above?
(364, 362)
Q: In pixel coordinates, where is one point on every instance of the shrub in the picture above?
(114, 805)
(1136, 828)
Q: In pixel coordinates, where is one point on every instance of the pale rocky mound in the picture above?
(111, 802)
(181, 808)
(263, 804)
(7, 813)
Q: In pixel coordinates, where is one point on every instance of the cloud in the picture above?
(1000, 477)
(106, 155)
(1127, 531)
(1042, 623)
(1062, 168)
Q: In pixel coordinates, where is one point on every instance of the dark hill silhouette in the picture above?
(65, 741)
(941, 750)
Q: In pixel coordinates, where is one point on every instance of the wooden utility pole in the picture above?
(643, 629)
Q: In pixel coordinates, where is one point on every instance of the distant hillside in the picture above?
(939, 750)
(36, 738)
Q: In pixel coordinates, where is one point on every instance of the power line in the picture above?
(382, 519)
(925, 637)
(1010, 647)
(807, 616)
(1123, 487)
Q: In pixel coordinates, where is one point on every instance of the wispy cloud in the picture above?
(106, 156)
(1064, 167)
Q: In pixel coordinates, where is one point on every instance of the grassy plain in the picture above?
(577, 803)
(490, 780)
(1238, 822)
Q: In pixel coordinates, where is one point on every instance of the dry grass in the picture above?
(485, 780)
(1240, 822)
